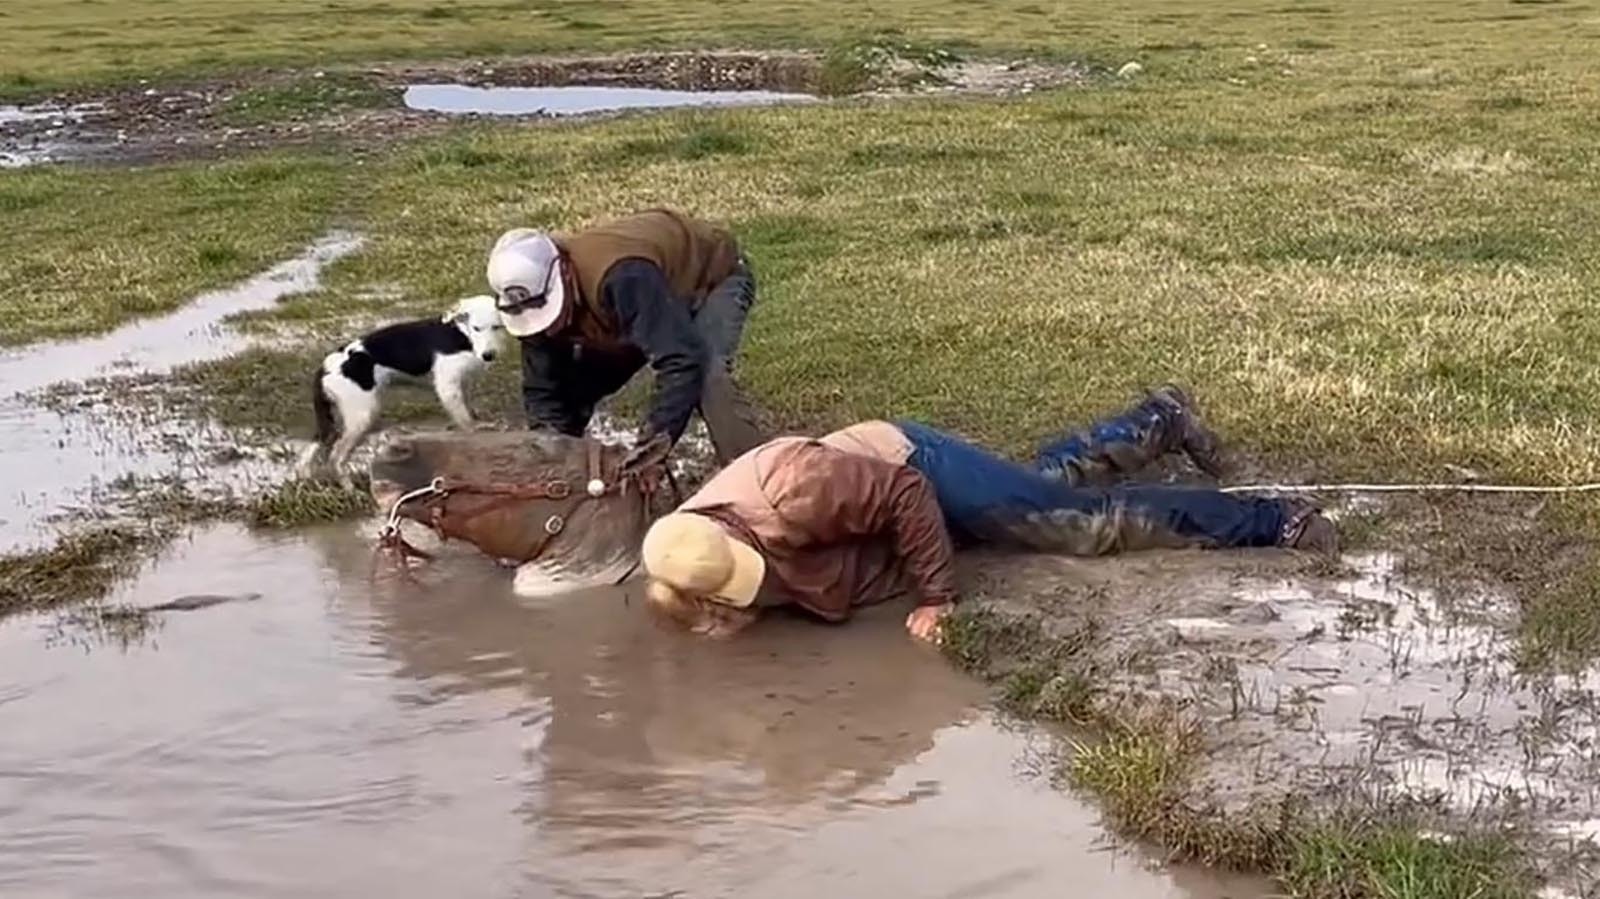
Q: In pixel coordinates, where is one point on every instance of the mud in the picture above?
(345, 736)
(60, 459)
(149, 123)
(1311, 683)
(461, 99)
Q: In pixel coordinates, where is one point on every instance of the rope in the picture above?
(1413, 488)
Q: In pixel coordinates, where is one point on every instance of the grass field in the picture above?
(46, 44)
(1366, 245)
(1363, 232)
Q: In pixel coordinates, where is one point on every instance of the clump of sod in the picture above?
(301, 502)
(80, 567)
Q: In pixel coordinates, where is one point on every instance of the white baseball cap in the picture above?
(525, 274)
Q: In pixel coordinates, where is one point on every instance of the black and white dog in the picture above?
(445, 349)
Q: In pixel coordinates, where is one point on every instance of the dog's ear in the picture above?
(456, 316)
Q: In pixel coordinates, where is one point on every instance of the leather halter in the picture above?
(436, 494)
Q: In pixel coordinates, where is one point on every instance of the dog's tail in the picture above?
(327, 425)
(322, 407)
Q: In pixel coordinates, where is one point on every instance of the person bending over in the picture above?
(591, 308)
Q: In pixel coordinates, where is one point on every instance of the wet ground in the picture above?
(332, 734)
(60, 457)
(466, 99)
(1354, 682)
(153, 122)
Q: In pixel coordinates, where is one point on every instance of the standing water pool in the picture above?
(351, 735)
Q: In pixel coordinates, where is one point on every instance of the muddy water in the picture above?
(463, 99)
(41, 132)
(346, 737)
(56, 459)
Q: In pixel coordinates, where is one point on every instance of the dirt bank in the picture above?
(152, 122)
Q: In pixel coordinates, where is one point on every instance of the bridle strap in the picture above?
(495, 496)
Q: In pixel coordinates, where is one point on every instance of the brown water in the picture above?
(343, 737)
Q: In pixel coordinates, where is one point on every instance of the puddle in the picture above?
(38, 134)
(17, 159)
(1430, 692)
(56, 459)
(344, 736)
(1423, 697)
(1355, 684)
(461, 99)
(58, 116)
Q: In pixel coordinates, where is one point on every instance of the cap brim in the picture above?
(536, 321)
(749, 569)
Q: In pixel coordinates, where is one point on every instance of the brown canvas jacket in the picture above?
(838, 529)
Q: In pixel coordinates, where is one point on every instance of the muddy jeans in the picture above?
(988, 499)
(588, 375)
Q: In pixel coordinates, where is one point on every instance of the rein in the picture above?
(392, 542)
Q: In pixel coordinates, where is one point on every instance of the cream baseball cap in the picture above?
(694, 554)
(525, 273)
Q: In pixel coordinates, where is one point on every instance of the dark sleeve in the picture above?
(638, 294)
(544, 399)
(829, 496)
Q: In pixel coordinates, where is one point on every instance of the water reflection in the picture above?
(345, 737)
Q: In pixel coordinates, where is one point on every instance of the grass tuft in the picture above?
(306, 97)
(78, 568)
(854, 66)
(698, 142)
(1343, 860)
(298, 503)
(1136, 770)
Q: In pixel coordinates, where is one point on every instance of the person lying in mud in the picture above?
(873, 511)
(591, 308)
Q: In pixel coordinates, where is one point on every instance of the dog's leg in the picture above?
(313, 456)
(359, 409)
(449, 374)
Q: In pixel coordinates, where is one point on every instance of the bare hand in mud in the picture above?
(924, 622)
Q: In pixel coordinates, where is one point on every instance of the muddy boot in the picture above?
(1118, 448)
(1197, 441)
(1306, 528)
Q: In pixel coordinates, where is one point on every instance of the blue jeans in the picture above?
(993, 500)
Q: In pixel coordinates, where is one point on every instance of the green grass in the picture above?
(1354, 861)
(268, 390)
(51, 43)
(1367, 268)
(304, 97)
(86, 250)
(297, 503)
(1369, 251)
(79, 568)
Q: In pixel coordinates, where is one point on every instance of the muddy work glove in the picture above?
(650, 449)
